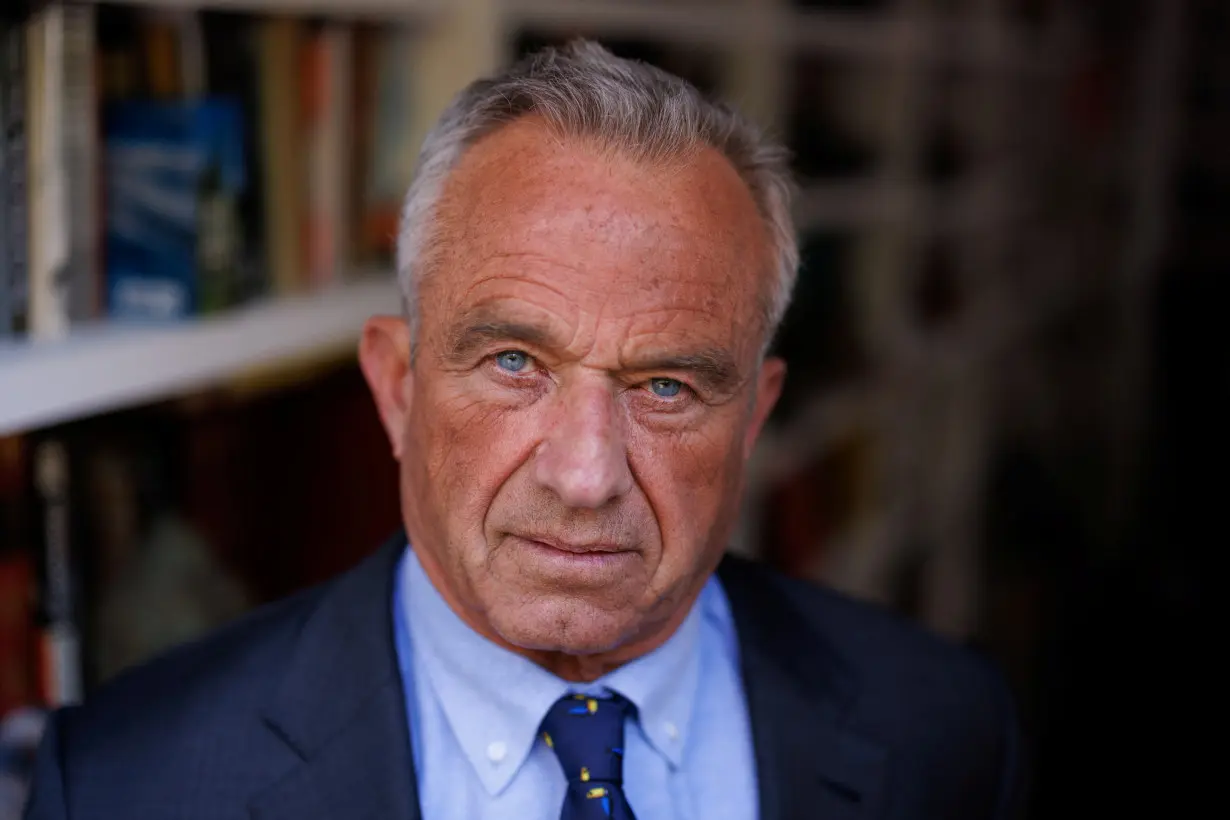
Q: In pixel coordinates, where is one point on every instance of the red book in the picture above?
(16, 632)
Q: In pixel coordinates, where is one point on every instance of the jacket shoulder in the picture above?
(876, 643)
(879, 640)
(195, 732)
(157, 712)
(942, 709)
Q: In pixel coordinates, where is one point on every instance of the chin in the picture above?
(572, 627)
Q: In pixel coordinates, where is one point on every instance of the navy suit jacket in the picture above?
(296, 712)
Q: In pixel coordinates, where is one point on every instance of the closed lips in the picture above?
(565, 546)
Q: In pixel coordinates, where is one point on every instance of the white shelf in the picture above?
(383, 9)
(108, 367)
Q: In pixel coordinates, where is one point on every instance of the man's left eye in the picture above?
(512, 361)
(665, 388)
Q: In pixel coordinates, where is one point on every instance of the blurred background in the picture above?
(1007, 403)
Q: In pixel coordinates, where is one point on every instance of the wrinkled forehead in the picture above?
(681, 234)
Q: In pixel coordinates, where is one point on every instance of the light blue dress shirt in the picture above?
(475, 710)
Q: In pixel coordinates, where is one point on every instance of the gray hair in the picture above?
(632, 107)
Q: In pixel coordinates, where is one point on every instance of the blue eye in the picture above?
(665, 388)
(514, 361)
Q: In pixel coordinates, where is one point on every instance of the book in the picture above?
(59, 644)
(17, 581)
(231, 56)
(282, 160)
(326, 107)
(16, 631)
(62, 145)
(175, 171)
(14, 240)
(389, 157)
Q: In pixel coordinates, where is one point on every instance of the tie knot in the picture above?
(587, 736)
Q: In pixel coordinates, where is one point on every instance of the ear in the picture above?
(768, 388)
(384, 356)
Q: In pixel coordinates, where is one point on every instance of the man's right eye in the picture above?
(512, 361)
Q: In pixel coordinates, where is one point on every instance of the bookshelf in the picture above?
(108, 367)
(929, 390)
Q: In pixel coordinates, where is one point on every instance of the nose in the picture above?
(584, 458)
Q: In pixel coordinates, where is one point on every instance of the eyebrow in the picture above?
(714, 367)
(465, 340)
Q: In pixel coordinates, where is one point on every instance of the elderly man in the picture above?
(594, 259)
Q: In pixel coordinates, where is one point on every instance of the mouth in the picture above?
(574, 566)
(583, 548)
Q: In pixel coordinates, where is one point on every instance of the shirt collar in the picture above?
(663, 686)
(494, 700)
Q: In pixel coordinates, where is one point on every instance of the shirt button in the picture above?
(497, 751)
(672, 731)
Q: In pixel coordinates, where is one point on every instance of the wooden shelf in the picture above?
(109, 366)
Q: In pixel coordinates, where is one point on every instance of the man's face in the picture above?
(585, 388)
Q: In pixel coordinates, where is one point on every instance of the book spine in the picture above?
(326, 88)
(16, 645)
(6, 312)
(59, 640)
(391, 158)
(17, 581)
(282, 152)
(63, 190)
(81, 153)
(232, 72)
(14, 271)
(46, 188)
(81, 162)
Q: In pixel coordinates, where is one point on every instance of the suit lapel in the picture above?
(799, 692)
(340, 707)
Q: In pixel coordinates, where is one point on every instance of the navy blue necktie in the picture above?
(587, 736)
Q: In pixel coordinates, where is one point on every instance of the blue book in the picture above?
(174, 175)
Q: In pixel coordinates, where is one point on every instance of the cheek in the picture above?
(469, 448)
(692, 482)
